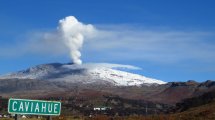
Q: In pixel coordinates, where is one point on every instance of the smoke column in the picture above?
(73, 34)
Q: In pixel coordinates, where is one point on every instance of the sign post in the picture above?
(16, 117)
(34, 107)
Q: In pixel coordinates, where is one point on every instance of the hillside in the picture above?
(204, 112)
(91, 73)
(81, 88)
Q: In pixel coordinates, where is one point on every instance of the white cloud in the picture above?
(37, 43)
(105, 65)
(166, 46)
(125, 43)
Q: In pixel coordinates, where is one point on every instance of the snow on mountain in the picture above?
(90, 73)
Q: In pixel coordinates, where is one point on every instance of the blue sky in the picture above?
(170, 40)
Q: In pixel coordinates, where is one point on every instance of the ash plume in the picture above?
(73, 34)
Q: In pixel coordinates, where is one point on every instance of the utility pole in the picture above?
(146, 109)
(155, 111)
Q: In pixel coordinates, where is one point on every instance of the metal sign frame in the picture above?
(26, 113)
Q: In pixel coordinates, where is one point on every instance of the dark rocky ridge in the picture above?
(169, 93)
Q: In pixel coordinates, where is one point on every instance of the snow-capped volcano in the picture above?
(91, 73)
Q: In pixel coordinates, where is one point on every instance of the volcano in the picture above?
(91, 73)
(94, 81)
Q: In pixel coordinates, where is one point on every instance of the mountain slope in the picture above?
(101, 73)
(95, 81)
